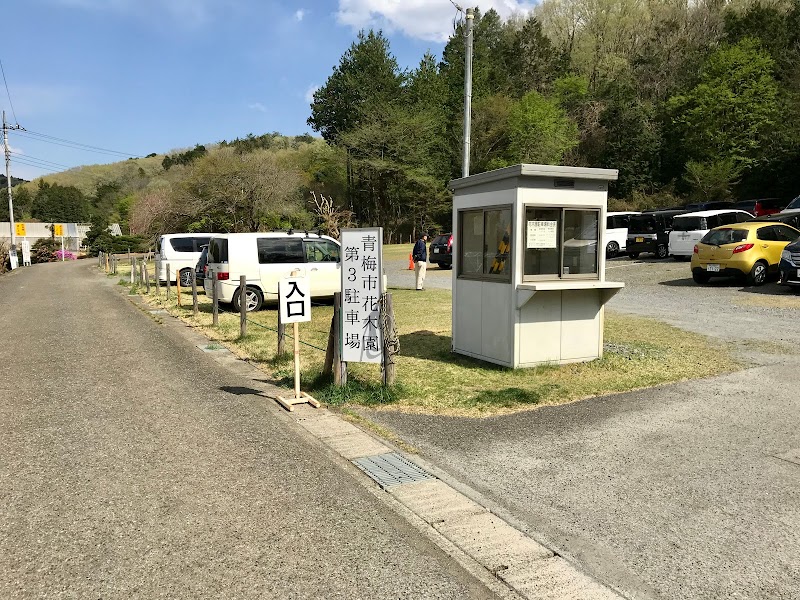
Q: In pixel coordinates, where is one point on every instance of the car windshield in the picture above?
(720, 237)
(688, 224)
(441, 239)
(642, 224)
(794, 203)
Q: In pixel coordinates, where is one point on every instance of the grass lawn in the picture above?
(431, 379)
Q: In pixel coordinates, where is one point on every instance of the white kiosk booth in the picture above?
(529, 282)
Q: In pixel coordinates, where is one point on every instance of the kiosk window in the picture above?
(561, 242)
(485, 251)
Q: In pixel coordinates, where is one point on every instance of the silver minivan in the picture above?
(267, 258)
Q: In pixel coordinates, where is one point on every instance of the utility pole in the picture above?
(6, 128)
(467, 92)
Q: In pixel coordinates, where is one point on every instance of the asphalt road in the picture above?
(128, 470)
(688, 491)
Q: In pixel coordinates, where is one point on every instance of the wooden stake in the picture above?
(146, 277)
(194, 293)
(243, 305)
(168, 282)
(214, 300)
(281, 336)
(327, 368)
(178, 287)
(339, 366)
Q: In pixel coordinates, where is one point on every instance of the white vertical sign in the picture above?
(362, 286)
(294, 300)
(26, 253)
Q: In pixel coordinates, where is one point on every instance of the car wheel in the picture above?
(662, 251)
(758, 274)
(186, 278)
(612, 249)
(254, 299)
(700, 276)
(634, 255)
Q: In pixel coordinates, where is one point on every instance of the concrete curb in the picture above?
(504, 559)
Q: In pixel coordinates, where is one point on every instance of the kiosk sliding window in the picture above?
(561, 242)
(485, 251)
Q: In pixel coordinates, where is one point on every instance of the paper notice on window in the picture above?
(542, 234)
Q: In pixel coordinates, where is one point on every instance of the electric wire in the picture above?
(45, 137)
(35, 166)
(8, 93)
(28, 156)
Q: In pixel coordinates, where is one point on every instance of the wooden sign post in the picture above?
(294, 304)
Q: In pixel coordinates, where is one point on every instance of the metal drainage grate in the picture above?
(391, 469)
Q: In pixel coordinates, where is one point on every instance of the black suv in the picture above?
(649, 232)
(441, 251)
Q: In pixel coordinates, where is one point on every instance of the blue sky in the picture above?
(142, 76)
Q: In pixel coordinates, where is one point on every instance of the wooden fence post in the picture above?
(194, 293)
(168, 282)
(339, 366)
(146, 277)
(158, 280)
(327, 368)
(178, 286)
(133, 271)
(214, 300)
(242, 305)
(281, 335)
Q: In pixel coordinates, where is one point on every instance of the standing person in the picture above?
(420, 256)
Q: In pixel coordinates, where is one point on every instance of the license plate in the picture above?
(712, 268)
(640, 239)
(436, 251)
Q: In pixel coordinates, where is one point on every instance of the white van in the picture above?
(616, 236)
(267, 258)
(688, 229)
(180, 252)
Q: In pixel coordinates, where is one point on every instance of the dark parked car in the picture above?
(649, 232)
(762, 206)
(715, 205)
(202, 266)
(790, 264)
(441, 251)
(789, 217)
(793, 205)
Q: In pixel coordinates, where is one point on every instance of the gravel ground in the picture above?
(135, 466)
(690, 490)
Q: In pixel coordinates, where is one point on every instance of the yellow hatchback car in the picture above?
(748, 250)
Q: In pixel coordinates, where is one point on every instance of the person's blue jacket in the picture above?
(420, 252)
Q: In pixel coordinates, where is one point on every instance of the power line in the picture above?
(76, 147)
(9, 93)
(87, 146)
(35, 166)
(43, 160)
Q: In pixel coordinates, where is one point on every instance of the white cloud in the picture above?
(423, 19)
(257, 106)
(309, 96)
(300, 14)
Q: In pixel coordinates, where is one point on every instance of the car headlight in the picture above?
(786, 255)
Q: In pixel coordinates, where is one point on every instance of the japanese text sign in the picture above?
(362, 286)
(294, 300)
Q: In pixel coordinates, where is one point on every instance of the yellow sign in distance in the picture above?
(58, 229)
(20, 229)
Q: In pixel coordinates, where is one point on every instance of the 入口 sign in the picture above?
(294, 298)
(362, 286)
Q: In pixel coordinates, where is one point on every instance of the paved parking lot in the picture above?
(690, 490)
